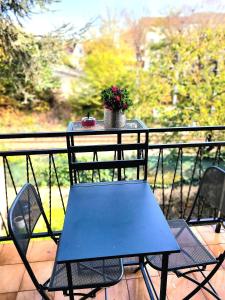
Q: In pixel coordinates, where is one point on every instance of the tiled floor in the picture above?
(15, 283)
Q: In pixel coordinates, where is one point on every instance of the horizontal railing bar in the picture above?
(108, 147)
(109, 131)
(32, 135)
(156, 146)
(194, 128)
(96, 165)
(57, 233)
(186, 145)
(34, 235)
(75, 133)
(33, 152)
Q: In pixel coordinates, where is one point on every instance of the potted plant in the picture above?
(116, 101)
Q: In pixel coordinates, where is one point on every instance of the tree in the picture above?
(11, 16)
(183, 84)
(25, 59)
(192, 61)
(108, 61)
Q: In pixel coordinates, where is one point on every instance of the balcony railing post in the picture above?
(181, 183)
(138, 154)
(119, 155)
(50, 188)
(59, 187)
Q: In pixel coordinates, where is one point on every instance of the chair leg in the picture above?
(44, 295)
(206, 280)
(218, 227)
(91, 294)
(212, 291)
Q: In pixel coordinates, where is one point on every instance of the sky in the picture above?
(79, 12)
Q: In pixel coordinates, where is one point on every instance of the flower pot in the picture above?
(114, 119)
(19, 223)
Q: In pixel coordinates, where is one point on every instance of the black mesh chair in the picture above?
(210, 195)
(22, 218)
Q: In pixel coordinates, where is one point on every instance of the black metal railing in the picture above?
(27, 173)
(174, 169)
(176, 174)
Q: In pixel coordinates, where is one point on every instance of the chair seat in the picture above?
(88, 274)
(192, 254)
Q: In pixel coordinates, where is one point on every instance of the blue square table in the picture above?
(115, 219)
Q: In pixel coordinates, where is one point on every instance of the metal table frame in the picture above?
(117, 219)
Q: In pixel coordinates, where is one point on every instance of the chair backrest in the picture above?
(129, 149)
(23, 215)
(210, 198)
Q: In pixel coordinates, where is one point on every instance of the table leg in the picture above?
(147, 279)
(70, 280)
(164, 276)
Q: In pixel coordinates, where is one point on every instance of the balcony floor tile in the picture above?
(8, 296)
(9, 255)
(210, 237)
(42, 270)
(178, 288)
(217, 281)
(11, 277)
(137, 289)
(16, 284)
(216, 250)
(42, 250)
(31, 295)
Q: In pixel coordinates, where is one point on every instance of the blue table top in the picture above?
(116, 219)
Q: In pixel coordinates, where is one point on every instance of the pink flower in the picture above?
(114, 89)
(124, 106)
(117, 98)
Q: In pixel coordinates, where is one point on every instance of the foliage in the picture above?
(25, 60)
(105, 61)
(29, 77)
(188, 77)
(11, 15)
(176, 80)
(179, 80)
(116, 98)
(20, 9)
